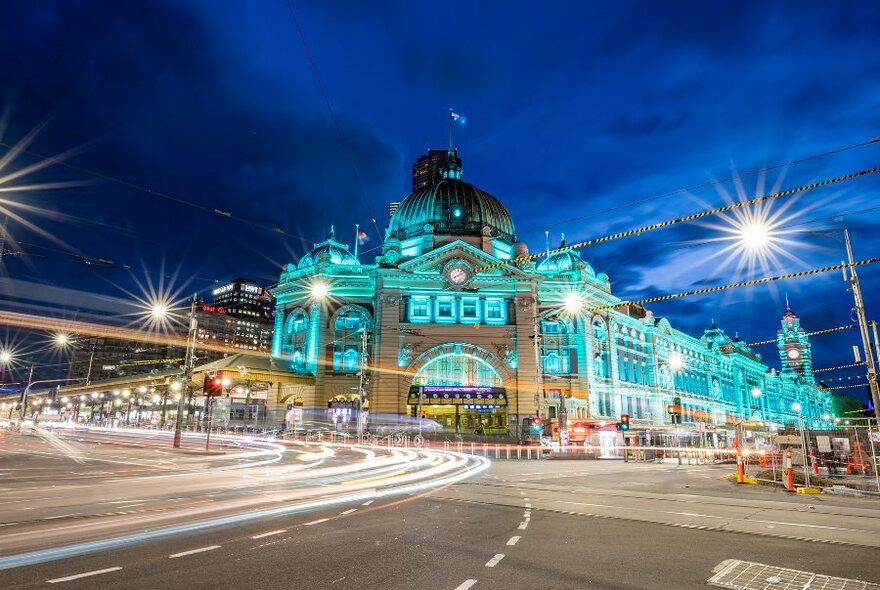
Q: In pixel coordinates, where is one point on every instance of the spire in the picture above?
(787, 306)
(332, 234)
(562, 241)
(357, 238)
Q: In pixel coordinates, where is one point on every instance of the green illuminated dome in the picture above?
(565, 261)
(451, 207)
(329, 251)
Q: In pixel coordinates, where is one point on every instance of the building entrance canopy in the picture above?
(457, 395)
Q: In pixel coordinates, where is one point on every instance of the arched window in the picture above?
(555, 363)
(459, 369)
(296, 343)
(348, 327)
(600, 349)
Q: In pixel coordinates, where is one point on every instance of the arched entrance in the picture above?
(460, 387)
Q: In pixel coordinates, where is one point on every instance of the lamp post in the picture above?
(187, 371)
(796, 407)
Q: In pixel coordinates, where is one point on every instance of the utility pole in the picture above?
(187, 372)
(362, 373)
(863, 327)
(537, 338)
(24, 393)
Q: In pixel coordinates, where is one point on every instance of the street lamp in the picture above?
(573, 303)
(319, 290)
(796, 407)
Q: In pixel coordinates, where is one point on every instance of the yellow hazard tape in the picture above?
(691, 217)
(850, 366)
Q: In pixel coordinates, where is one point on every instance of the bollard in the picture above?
(814, 461)
(740, 467)
(519, 452)
(789, 472)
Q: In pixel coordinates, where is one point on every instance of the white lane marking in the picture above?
(522, 493)
(368, 502)
(84, 575)
(522, 526)
(317, 521)
(494, 561)
(527, 515)
(349, 511)
(526, 500)
(514, 540)
(192, 551)
(465, 585)
(528, 504)
(269, 534)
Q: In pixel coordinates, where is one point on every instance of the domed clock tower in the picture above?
(794, 346)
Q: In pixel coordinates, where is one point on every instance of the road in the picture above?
(527, 524)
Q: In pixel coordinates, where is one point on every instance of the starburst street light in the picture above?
(319, 290)
(158, 310)
(573, 303)
(61, 339)
(5, 357)
(675, 361)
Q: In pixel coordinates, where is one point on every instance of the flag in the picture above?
(458, 118)
(363, 238)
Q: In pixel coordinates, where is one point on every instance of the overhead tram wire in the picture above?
(156, 193)
(342, 141)
(845, 387)
(749, 283)
(677, 220)
(816, 333)
(716, 182)
(838, 368)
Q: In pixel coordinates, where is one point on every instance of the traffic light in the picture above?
(536, 425)
(624, 422)
(213, 385)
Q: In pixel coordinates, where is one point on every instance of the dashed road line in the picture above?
(194, 551)
(319, 521)
(494, 561)
(368, 502)
(465, 585)
(84, 575)
(269, 534)
(513, 540)
(523, 525)
(349, 511)
(528, 504)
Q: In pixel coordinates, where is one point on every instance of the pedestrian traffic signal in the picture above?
(213, 385)
(624, 422)
(536, 425)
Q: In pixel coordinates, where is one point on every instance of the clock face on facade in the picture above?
(457, 275)
(793, 354)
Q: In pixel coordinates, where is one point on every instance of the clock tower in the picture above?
(794, 346)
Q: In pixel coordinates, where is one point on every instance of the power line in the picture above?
(156, 193)
(693, 216)
(792, 275)
(816, 333)
(342, 141)
(850, 366)
(716, 182)
(844, 387)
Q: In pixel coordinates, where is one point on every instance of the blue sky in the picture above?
(573, 109)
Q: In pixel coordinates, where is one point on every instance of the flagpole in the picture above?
(357, 238)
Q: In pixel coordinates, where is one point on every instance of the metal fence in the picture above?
(846, 455)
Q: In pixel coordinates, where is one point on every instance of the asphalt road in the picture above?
(529, 524)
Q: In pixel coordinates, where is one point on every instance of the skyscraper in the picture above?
(426, 169)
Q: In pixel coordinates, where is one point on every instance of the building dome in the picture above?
(451, 207)
(329, 251)
(565, 261)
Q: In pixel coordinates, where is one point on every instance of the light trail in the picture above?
(422, 472)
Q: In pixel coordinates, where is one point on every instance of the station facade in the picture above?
(482, 351)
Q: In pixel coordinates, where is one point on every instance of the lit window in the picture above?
(469, 309)
(444, 308)
(419, 308)
(493, 310)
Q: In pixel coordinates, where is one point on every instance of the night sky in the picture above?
(574, 111)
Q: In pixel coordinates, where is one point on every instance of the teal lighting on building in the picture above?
(466, 347)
